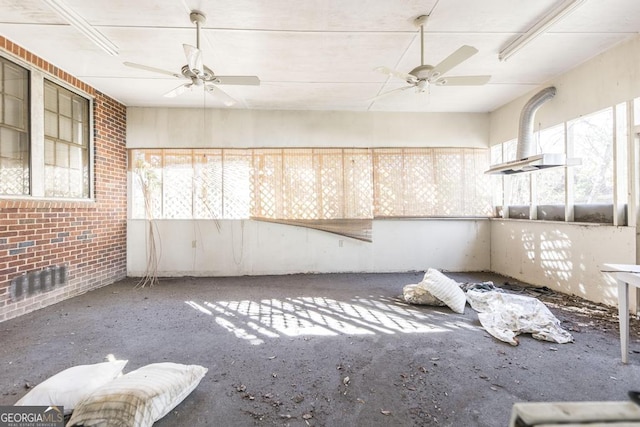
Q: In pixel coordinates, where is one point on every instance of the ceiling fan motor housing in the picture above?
(206, 75)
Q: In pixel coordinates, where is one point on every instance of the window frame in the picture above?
(37, 137)
(620, 211)
(27, 131)
(274, 172)
(84, 147)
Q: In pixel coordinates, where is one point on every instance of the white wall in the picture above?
(197, 128)
(566, 257)
(252, 247)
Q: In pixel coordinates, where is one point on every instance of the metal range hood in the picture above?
(530, 164)
(526, 160)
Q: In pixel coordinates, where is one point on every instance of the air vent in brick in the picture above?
(35, 282)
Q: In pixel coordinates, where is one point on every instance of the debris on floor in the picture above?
(417, 294)
(506, 315)
(503, 315)
(436, 289)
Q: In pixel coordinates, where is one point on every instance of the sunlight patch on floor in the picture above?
(315, 316)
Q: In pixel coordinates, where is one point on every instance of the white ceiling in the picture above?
(318, 54)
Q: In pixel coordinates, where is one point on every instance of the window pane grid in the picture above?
(66, 118)
(14, 124)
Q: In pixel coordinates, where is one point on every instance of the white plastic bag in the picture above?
(506, 315)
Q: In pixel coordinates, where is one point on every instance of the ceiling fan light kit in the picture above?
(424, 75)
(198, 74)
(539, 28)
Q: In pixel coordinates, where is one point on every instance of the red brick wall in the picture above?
(89, 237)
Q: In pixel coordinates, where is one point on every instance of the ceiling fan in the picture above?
(197, 73)
(424, 75)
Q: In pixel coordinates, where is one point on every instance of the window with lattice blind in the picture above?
(310, 186)
(190, 183)
(431, 182)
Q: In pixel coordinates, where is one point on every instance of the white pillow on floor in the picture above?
(445, 289)
(139, 398)
(67, 388)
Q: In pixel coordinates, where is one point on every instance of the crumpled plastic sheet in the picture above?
(506, 315)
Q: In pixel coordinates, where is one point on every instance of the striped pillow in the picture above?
(139, 398)
(445, 289)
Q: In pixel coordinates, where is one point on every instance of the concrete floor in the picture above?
(279, 350)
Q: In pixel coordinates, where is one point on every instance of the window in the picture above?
(592, 138)
(550, 185)
(312, 184)
(309, 184)
(591, 185)
(66, 144)
(14, 129)
(186, 183)
(436, 182)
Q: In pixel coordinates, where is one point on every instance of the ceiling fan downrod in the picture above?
(198, 19)
(420, 20)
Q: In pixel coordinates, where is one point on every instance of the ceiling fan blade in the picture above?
(382, 95)
(152, 69)
(238, 80)
(178, 91)
(194, 58)
(456, 58)
(219, 93)
(463, 81)
(409, 78)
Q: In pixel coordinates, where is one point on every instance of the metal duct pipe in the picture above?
(525, 131)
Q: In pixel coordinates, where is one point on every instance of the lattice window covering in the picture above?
(207, 186)
(146, 183)
(177, 188)
(478, 192)
(267, 200)
(186, 183)
(312, 184)
(358, 182)
(449, 198)
(236, 183)
(431, 182)
(299, 187)
(389, 183)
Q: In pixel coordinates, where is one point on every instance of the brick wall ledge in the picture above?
(37, 203)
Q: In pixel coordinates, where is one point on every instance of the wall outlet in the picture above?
(194, 243)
